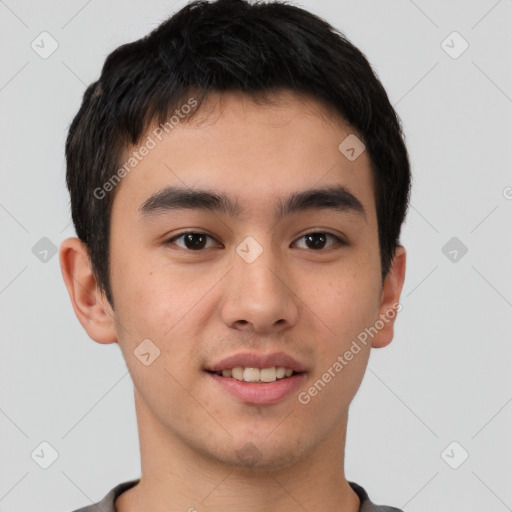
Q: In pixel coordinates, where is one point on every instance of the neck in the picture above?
(175, 476)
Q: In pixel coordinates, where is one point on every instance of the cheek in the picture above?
(348, 302)
(162, 302)
(152, 303)
(345, 307)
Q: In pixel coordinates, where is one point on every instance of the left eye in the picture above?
(318, 239)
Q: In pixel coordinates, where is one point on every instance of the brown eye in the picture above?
(191, 240)
(318, 240)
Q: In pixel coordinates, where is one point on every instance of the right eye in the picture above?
(192, 241)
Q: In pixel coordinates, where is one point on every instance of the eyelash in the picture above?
(339, 241)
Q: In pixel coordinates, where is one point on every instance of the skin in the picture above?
(198, 307)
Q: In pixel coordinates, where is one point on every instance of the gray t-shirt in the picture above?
(107, 503)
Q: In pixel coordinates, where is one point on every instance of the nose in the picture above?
(259, 296)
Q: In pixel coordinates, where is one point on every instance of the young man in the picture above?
(238, 183)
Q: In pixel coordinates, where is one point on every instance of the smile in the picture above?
(263, 375)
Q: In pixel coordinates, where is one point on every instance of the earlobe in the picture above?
(91, 309)
(390, 300)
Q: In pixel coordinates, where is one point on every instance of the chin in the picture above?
(265, 463)
(260, 454)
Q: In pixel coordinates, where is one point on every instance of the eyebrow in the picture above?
(337, 198)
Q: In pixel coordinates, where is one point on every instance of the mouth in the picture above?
(258, 389)
(258, 379)
(256, 375)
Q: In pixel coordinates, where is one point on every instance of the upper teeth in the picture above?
(256, 375)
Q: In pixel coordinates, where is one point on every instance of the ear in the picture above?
(89, 303)
(389, 302)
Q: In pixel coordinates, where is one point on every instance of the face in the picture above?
(283, 271)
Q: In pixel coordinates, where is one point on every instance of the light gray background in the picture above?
(446, 377)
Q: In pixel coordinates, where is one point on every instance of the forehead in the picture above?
(253, 151)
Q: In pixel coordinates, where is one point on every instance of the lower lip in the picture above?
(256, 393)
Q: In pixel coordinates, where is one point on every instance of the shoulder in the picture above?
(366, 503)
(107, 503)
